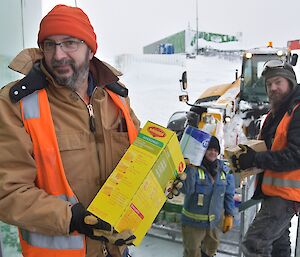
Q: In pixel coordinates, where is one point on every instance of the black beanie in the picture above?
(214, 143)
(287, 72)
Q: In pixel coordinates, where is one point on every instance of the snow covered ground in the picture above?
(154, 90)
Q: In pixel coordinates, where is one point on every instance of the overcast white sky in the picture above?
(127, 26)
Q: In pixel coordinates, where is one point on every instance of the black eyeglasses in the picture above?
(67, 46)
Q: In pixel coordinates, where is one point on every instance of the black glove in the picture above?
(86, 223)
(245, 160)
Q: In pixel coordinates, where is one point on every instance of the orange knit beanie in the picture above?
(71, 21)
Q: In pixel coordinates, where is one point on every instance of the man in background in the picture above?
(278, 186)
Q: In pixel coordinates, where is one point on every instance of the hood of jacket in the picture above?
(272, 120)
(295, 97)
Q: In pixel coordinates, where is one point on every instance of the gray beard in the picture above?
(80, 74)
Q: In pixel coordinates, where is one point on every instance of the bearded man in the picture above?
(63, 129)
(278, 186)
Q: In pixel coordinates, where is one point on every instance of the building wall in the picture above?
(178, 41)
(19, 22)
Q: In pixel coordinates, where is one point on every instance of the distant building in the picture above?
(185, 42)
(177, 40)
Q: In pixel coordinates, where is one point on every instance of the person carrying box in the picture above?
(279, 184)
(209, 190)
(64, 128)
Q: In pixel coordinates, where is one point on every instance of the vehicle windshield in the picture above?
(252, 87)
(177, 116)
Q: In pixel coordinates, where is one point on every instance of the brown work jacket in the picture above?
(88, 157)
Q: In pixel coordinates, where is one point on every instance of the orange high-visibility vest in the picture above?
(51, 177)
(285, 184)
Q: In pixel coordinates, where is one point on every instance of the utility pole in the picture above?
(197, 32)
(22, 23)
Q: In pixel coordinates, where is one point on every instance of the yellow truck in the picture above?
(244, 101)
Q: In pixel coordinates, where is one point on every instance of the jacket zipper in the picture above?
(92, 122)
(93, 129)
(90, 109)
(92, 117)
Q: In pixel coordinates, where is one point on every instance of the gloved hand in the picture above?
(125, 237)
(245, 159)
(173, 189)
(227, 223)
(85, 223)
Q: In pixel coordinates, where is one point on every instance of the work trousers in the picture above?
(268, 235)
(196, 240)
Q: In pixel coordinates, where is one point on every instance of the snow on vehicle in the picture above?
(245, 98)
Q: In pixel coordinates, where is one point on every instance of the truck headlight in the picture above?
(248, 55)
(227, 119)
(279, 52)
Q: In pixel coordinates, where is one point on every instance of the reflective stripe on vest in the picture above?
(202, 174)
(223, 176)
(122, 104)
(50, 177)
(285, 184)
(198, 217)
(52, 242)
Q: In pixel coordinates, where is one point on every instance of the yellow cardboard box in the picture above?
(135, 191)
(257, 145)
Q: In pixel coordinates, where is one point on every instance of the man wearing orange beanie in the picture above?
(64, 126)
(71, 20)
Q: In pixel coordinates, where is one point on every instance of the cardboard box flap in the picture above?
(257, 145)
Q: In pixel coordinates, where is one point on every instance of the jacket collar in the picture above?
(102, 72)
